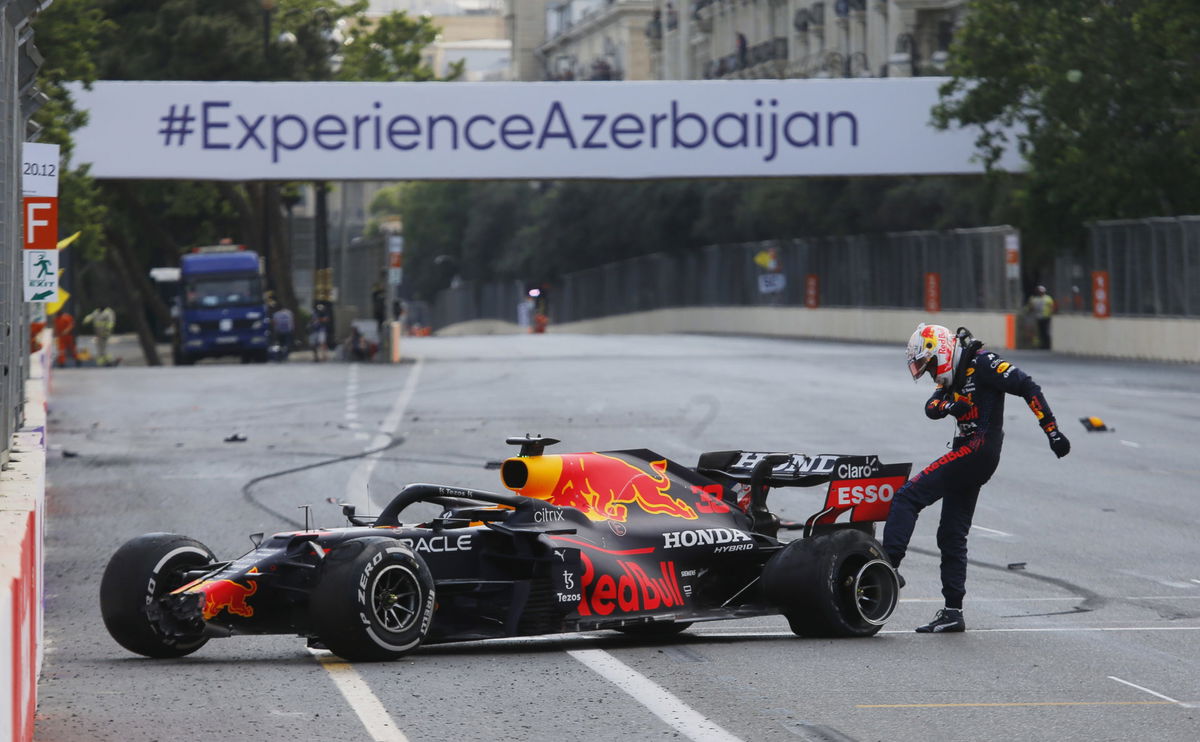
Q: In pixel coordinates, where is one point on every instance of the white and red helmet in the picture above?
(933, 349)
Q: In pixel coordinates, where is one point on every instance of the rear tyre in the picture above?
(139, 573)
(655, 629)
(836, 585)
(374, 601)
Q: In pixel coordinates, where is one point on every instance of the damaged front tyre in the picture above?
(141, 572)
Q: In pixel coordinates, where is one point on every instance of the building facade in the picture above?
(748, 39)
(729, 39)
(581, 39)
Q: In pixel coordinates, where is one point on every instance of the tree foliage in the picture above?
(1102, 98)
(70, 29)
(203, 40)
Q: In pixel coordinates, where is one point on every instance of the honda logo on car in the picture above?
(848, 494)
(701, 537)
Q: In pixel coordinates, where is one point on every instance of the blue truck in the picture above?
(220, 309)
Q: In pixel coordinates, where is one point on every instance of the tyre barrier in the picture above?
(22, 499)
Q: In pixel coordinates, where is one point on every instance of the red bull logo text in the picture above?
(226, 595)
(603, 487)
(630, 591)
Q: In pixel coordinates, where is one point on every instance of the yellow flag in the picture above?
(57, 304)
(66, 242)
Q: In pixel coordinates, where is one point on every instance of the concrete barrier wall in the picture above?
(1142, 338)
(872, 325)
(22, 529)
(1151, 339)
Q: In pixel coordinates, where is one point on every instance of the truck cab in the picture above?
(221, 308)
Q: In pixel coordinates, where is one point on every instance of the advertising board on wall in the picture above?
(413, 131)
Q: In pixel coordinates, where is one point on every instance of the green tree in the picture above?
(69, 28)
(1101, 97)
(148, 223)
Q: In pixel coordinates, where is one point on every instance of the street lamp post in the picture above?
(268, 7)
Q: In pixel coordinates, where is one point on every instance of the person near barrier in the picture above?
(283, 324)
(320, 329)
(103, 320)
(971, 386)
(1041, 307)
(64, 337)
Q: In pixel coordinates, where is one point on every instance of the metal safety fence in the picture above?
(469, 300)
(887, 270)
(14, 325)
(1150, 267)
(973, 267)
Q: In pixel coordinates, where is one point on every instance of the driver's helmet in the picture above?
(933, 349)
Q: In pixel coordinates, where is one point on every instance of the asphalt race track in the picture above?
(1083, 600)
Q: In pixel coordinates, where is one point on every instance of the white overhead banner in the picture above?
(410, 131)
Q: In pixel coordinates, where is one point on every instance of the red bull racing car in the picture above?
(623, 540)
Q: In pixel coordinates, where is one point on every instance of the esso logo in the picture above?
(858, 494)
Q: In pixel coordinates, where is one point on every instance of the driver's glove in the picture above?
(1058, 442)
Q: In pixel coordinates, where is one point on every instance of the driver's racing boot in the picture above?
(947, 621)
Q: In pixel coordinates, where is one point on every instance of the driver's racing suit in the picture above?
(976, 401)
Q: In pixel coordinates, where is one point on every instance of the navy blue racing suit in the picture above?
(956, 478)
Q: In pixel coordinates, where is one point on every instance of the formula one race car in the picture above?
(624, 540)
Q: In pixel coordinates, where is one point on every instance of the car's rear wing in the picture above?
(861, 488)
(787, 469)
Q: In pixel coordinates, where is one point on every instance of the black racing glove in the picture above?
(1058, 442)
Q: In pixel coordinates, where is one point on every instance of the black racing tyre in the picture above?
(374, 600)
(837, 585)
(655, 629)
(143, 570)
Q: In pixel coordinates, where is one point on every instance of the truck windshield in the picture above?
(223, 291)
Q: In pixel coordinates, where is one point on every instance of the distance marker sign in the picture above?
(39, 228)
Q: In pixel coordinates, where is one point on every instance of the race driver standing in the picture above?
(971, 384)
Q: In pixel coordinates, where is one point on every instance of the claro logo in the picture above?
(850, 495)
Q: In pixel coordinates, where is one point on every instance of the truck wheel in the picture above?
(374, 600)
(142, 571)
(837, 585)
(179, 358)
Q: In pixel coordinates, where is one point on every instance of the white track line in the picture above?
(354, 689)
(357, 693)
(990, 530)
(1145, 690)
(661, 702)
(358, 486)
(776, 634)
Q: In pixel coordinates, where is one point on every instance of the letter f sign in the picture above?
(41, 223)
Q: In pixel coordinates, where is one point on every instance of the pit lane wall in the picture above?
(22, 508)
(1149, 338)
